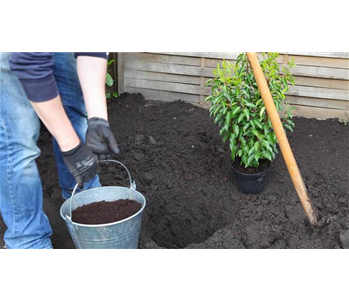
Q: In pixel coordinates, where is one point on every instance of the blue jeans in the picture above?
(21, 196)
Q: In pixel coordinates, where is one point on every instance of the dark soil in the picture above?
(104, 212)
(182, 167)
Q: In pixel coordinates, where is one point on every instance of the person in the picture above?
(67, 92)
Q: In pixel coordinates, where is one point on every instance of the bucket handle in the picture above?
(132, 185)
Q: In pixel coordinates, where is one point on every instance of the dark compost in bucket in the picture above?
(104, 212)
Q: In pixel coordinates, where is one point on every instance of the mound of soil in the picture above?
(104, 212)
(182, 167)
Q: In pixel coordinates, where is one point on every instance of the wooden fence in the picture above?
(321, 90)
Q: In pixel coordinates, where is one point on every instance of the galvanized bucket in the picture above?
(123, 234)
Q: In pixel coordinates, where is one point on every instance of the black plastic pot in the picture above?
(251, 183)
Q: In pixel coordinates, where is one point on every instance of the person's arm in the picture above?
(92, 73)
(53, 115)
(34, 70)
(99, 136)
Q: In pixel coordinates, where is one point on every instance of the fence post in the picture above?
(121, 71)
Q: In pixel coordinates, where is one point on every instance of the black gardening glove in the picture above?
(82, 163)
(100, 139)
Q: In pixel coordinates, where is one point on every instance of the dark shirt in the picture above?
(35, 72)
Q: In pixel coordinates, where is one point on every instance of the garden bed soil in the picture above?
(104, 212)
(183, 168)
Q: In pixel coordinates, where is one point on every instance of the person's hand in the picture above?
(82, 163)
(100, 139)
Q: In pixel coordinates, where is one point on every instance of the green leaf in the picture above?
(232, 142)
(244, 159)
(218, 117)
(250, 105)
(258, 124)
(246, 94)
(259, 102)
(288, 127)
(236, 110)
(208, 98)
(266, 129)
(246, 126)
(242, 140)
(247, 114)
(233, 150)
(237, 93)
(257, 156)
(262, 112)
(109, 80)
(266, 144)
(251, 151)
(240, 118)
(250, 159)
(110, 62)
(226, 137)
(227, 120)
(267, 156)
(255, 132)
(225, 91)
(236, 129)
(290, 122)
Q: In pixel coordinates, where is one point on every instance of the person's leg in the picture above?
(73, 102)
(21, 199)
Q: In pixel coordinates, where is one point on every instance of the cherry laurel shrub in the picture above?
(238, 109)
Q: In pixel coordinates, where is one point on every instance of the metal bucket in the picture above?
(123, 234)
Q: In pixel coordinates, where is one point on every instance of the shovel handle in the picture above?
(282, 138)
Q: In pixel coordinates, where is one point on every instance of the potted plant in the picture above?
(239, 111)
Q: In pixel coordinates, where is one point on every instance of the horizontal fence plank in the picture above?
(162, 77)
(163, 95)
(322, 113)
(321, 61)
(222, 55)
(162, 58)
(166, 86)
(321, 54)
(321, 72)
(167, 68)
(319, 92)
(318, 102)
(322, 82)
(212, 63)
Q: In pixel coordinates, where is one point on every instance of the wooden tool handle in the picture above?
(282, 139)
